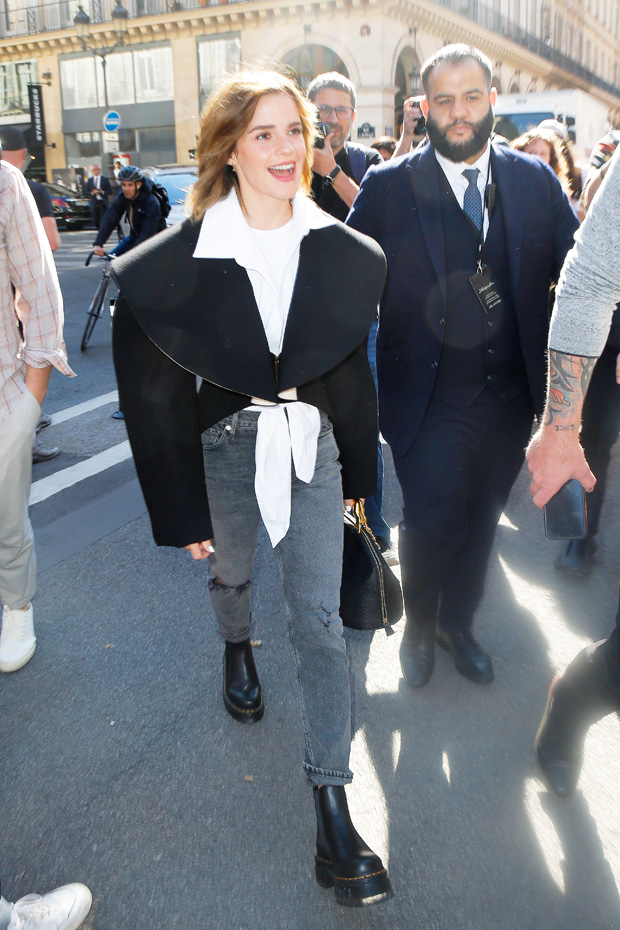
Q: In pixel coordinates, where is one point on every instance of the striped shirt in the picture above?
(29, 292)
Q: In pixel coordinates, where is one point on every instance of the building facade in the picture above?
(176, 50)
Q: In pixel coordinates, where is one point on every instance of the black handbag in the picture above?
(370, 594)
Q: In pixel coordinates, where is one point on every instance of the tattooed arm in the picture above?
(555, 455)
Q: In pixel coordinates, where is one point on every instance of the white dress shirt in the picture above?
(271, 258)
(453, 171)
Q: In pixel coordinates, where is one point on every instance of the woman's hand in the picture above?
(351, 501)
(200, 550)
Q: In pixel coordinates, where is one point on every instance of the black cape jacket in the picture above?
(178, 317)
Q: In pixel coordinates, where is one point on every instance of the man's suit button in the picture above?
(490, 351)
(489, 377)
(433, 364)
(489, 323)
(441, 321)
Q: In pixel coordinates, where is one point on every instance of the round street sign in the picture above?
(112, 121)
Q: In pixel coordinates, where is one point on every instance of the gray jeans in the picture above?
(310, 562)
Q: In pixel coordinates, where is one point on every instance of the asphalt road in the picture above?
(120, 768)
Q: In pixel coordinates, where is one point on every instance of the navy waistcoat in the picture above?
(479, 350)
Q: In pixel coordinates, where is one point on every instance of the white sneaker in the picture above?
(65, 908)
(17, 639)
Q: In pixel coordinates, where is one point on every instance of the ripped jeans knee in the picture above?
(231, 606)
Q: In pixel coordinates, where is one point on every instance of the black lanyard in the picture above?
(485, 210)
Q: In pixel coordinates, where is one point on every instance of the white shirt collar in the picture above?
(454, 169)
(225, 233)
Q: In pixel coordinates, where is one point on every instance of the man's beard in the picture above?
(460, 151)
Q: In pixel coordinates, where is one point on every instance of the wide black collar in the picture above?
(202, 312)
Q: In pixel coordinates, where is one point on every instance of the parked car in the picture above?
(70, 210)
(177, 179)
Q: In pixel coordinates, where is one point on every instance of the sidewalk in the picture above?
(121, 769)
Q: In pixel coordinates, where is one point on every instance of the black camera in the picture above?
(420, 128)
(324, 131)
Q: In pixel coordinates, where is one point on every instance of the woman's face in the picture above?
(270, 155)
(541, 148)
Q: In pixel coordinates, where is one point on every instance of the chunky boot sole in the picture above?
(244, 716)
(353, 892)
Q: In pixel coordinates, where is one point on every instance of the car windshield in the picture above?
(177, 185)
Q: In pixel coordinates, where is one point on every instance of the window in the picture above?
(139, 76)
(14, 79)
(119, 75)
(153, 74)
(82, 145)
(157, 146)
(78, 82)
(216, 57)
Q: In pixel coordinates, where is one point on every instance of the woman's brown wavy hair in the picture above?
(225, 117)
(557, 160)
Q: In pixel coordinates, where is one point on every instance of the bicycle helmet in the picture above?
(130, 173)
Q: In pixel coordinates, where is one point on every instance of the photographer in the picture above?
(413, 130)
(339, 165)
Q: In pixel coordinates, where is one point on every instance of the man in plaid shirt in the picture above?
(31, 323)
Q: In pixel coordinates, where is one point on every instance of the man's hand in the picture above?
(411, 116)
(99, 250)
(324, 160)
(553, 459)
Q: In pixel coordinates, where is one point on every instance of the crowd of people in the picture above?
(250, 342)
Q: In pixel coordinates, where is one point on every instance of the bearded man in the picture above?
(474, 234)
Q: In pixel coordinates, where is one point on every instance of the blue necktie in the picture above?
(472, 204)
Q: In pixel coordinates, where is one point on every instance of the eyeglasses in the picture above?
(341, 112)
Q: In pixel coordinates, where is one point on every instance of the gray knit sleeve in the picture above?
(589, 285)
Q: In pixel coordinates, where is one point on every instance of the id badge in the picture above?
(486, 290)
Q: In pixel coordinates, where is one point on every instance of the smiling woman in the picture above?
(268, 301)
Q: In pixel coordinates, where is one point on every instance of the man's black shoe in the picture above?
(577, 557)
(470, 659)
(417, 653)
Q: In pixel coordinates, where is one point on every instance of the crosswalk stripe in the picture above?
(66, 477)
(86, 407)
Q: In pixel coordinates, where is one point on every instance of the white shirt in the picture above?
(453, 171)
(271, 258)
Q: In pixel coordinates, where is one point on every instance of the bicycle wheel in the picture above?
(94, 311)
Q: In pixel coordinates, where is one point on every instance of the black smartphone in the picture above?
(566, 514)
(324, 131)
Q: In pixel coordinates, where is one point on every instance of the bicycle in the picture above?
(97, 303)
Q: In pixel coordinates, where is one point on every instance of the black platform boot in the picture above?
(343, 860)
(577, 699)
(243, 698)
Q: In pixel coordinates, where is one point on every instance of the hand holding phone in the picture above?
(565, 515)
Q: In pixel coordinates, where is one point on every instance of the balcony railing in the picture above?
(47, 17)
(490, 19)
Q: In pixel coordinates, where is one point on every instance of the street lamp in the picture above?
(120, 18)
(82, 24)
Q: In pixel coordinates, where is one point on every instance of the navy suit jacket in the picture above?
(398, 206)
(106, 187)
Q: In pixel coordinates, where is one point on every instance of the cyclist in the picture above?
(139, 204)
(136, 200)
